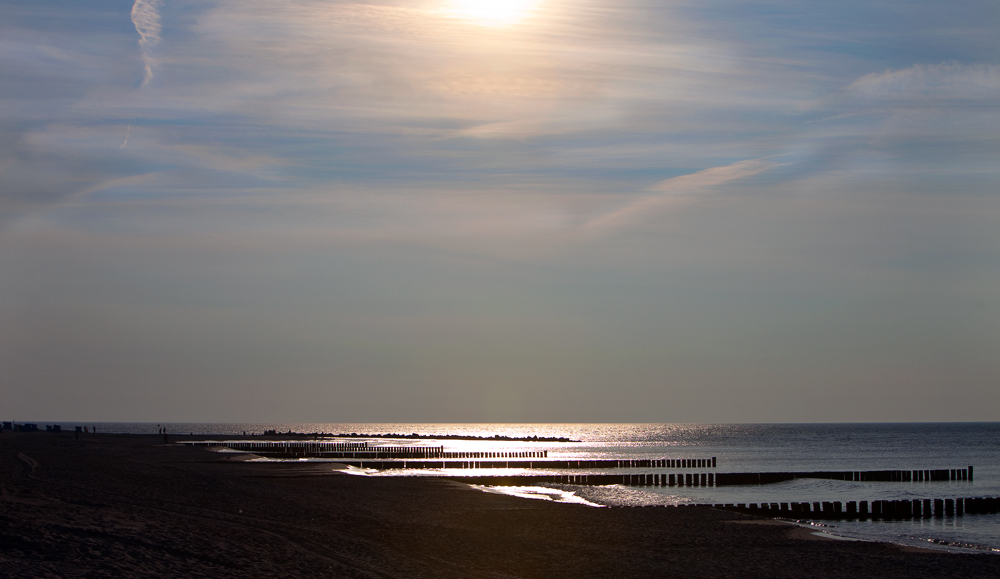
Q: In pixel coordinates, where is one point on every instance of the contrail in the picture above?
(128, 130)
(681, 191)
(146, 18)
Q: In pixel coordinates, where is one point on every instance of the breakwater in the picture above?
(529, 464)
(918, 475)
(390, 457)
(710, 479)
(359, 450)
(875, 510)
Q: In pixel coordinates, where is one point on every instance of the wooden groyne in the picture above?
(877, 510)
(526, 464)
(438, 457)
(703, 479)
(696, 479)
(925, 475)
(359, 450)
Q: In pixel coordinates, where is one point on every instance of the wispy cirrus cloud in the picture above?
(723, 200)
(680, 191)
(949, 80)
(146, 19)
(699, 181)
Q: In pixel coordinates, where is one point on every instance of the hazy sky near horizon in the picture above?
(449, 210)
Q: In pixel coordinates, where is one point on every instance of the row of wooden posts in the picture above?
(920, 475)
(284, 449)
(527, 464)
(420, 457)
(395, 457)
(693, 479)
(889, 509)
(289, 447)
(361, 450)
(689, 479)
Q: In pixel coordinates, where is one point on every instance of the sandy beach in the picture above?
(130, 506)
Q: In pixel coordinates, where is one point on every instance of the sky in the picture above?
(521, 211)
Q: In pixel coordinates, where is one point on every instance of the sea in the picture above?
(736, 447)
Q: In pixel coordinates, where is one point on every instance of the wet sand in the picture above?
(128, 506)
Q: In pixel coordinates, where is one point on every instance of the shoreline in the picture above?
(800, 529)
(571, 493)
(127, 505)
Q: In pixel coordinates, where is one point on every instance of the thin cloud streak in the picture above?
(679, 192)
(950, 80)
(146, 19)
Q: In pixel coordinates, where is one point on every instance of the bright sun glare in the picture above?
(492, 12)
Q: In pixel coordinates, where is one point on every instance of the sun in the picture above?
(492, 12)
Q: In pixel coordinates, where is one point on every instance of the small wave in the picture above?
(539, 493)
(598, 496)
(959, 545)
(620, 496)
(808, 523)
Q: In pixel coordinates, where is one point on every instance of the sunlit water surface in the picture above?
(739, 448)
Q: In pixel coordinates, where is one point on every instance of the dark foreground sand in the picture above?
(127, 506)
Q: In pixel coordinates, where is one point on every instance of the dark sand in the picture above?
(127, 506)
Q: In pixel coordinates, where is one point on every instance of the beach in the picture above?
(110, 505)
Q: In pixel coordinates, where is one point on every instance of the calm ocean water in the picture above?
(739, 448)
